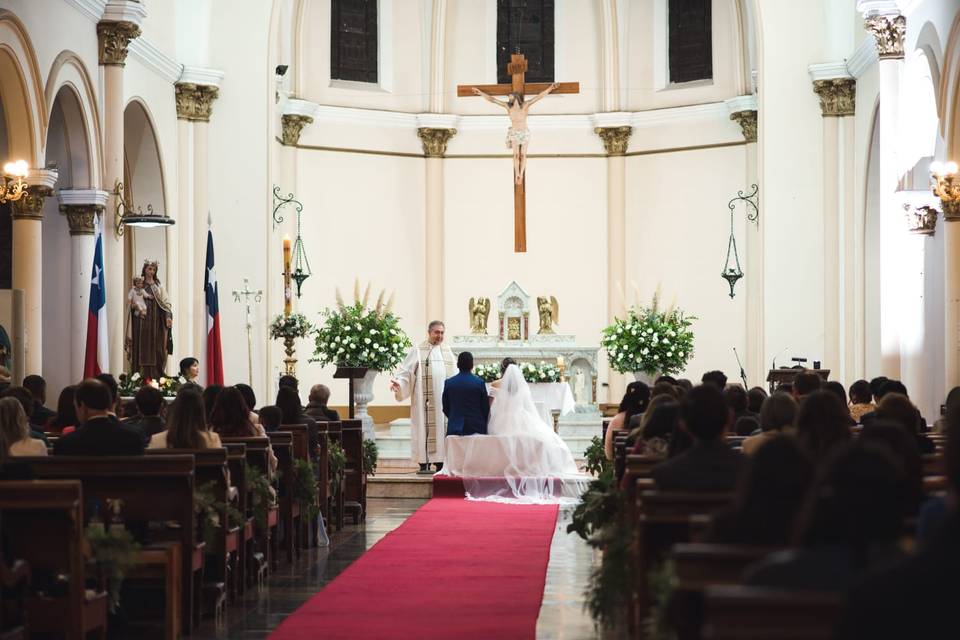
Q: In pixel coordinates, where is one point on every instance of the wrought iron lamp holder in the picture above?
(125, 215)
(732, 272)
(301, 265)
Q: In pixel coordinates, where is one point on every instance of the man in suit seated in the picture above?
(465, 400)
(148, 420)
(710, 464)
(37, 387)
(100, 434)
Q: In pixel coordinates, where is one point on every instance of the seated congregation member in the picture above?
(465, 401)
(953, 399)
(837, 389)
(640, 421)
(210, 395)
(271, 418)
(288, 381)
(65, 420)
(190, 369)
(634, 402)
(916, 598)
(887, 386)
(851, 523)
(903, 446)
(898, 409)
(716, 378)
(744, 421)
(822, 423)
(25, 398)
(111, 382)
(769, 497)
(659, 423)
(37, 387)
(861, 400)
(186, 425)
(806, 383)
(100, 433)
(776, 416)
(231, 419)
(288, 399)
(755, 398)
(150, 405)
(15, 437)
(710, 464)
(317, 404)
(251, 399)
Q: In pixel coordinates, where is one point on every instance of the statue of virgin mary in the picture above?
(148, 336)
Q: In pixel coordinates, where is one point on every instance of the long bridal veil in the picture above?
(521, 458)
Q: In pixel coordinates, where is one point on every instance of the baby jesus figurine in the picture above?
(138, 297)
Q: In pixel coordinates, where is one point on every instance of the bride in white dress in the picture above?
(520, 458)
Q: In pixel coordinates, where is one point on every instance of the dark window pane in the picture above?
(527, 26)
(691, 35)
(6, 247)
(353, 40)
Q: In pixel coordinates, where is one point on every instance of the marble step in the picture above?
(400, 485)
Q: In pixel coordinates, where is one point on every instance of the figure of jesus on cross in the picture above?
(518, 135)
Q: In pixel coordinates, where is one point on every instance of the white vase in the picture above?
(646, 378)
(362, 395)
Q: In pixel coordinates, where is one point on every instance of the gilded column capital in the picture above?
(748, 123)
(30, 206)
(293, 125)
(615, 139)
(838, 96)
(434, 140)
(888, 31)
(195, 101)
(80, 217)
(113, 38)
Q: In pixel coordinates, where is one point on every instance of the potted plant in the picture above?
(649, 341)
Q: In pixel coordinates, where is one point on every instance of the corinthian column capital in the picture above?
(80, 217)
(888, 31)
(434, 140)
(195, 101)
(838, 96)
(293, 124)
(748, 123)
(113, 38)
(30, 205)
(615, 139)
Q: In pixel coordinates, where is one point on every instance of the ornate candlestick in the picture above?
(290, 362)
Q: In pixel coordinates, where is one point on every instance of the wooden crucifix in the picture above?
(518, 136)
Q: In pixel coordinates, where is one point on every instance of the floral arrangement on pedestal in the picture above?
(650, 340)
(355, 336)
(292, 326)
(129, 384)
(487, 372)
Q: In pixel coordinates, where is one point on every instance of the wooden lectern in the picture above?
(351, 373)
(786, 375)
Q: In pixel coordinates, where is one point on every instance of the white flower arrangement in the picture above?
(295, 325)
(650, 340)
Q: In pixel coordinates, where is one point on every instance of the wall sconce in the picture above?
(126, 216)
(945, 186)
(731, 268)
(921, 220)
(12, 190)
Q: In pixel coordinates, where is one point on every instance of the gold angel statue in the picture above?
(479, 312)
(549, 313)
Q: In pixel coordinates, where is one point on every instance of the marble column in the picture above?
(194, 105)
(27, 214)
(743, 111)
(882, 19)
(951, 253)
(837, 101)
(615, 142)
(434, 141)
(113, 38)
(80, 207)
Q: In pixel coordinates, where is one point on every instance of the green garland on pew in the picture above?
(598, 506)
(305, 488)
(596, 457)
(208, 510)
(370, 456)
(115, 553)
(662, 581)
(338, 463)
(262, 496)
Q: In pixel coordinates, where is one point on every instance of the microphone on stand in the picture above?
(743, 374)
(773, 365)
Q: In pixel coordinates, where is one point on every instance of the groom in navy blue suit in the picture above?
(465, 400)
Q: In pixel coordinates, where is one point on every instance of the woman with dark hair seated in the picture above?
(634, 402)
(66, 416)
(288, 400)
(231, 419)
(898, 409)
(186, 425)
(190, 369)
(861, 400)
(776, 415)
(659, 423)
(851, 524)
(251, 399)
(903, 447)
(822, 423)
(769, 497)
(210, 395)
(270, 418)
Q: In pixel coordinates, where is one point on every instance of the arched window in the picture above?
(691, 40)
(353, 40)
(525, 26)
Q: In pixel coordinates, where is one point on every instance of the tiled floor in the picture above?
(561, 617)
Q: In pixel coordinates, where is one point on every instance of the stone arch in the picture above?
(21, 92)
(948, 104)
(70, 88)
(871, 245)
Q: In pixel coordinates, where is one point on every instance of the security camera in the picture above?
(281, 69)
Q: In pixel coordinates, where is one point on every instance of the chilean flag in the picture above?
(96, 358)
(214, 350)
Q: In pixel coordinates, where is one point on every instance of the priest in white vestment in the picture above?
(420, 377)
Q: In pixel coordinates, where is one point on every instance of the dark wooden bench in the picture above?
(756, 613)
(43, 524)
(286, 446)
(355, 480)
(157, 495)
(257, 456)
(321, 455)
(334, 431)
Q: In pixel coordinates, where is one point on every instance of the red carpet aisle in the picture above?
(454, 570)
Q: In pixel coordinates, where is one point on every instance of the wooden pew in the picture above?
(933, 464)
(14, 582)
(43, 524)
(256, 456)
(620, 453)
(322, 458)
(286, 444)
(304, 439)
(335, 434)
(224, 561)
(157, 492)
(259, 551)
(355, 481)
(755, 613)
